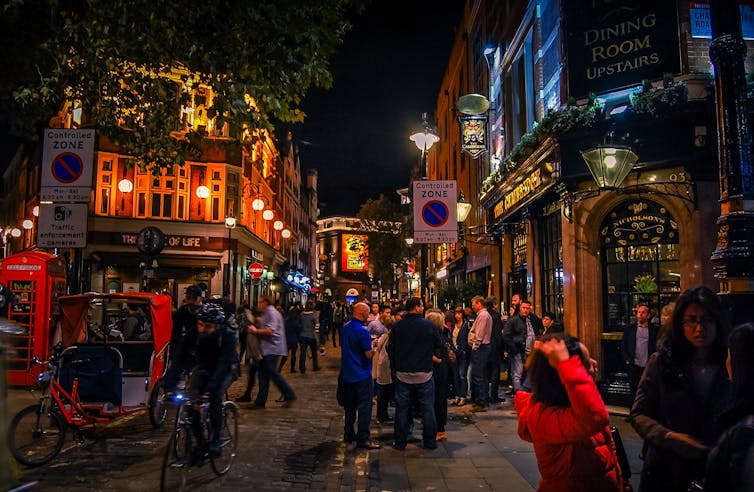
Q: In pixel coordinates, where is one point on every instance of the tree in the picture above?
(130, 64)
(382, 221)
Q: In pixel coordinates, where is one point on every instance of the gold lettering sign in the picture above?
(525, 189)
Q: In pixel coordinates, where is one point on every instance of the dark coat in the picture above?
(730, 466)
(667, 401)
(628, 343)
(413, 341)
(514, 333)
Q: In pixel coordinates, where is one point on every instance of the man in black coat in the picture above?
(638, 343)
(413, 341)
(497, 349)
(519, 334)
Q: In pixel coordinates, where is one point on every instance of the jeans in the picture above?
(461, 375)
(517, 369)
(312, 345)
(479, 374)
(268, 371)
(425, 394)
(336, 327)
(197, 386)
(324, 331)
(493, 377)
(358, 410)
(293, 350)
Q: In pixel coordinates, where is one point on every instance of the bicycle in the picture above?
(179, 453)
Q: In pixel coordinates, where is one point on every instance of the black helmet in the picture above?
(210, 313)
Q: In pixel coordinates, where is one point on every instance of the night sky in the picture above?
(386, 74)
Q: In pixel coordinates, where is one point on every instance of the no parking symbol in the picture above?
(67, 167)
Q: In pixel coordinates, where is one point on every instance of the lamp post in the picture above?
(733, 258)
(230, 224)
(424, 139)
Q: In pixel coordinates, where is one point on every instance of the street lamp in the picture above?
(230, 224)
(609, 164)
(424, 139)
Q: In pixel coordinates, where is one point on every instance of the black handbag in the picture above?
(625, 467)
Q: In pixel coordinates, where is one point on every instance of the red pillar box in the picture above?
(32, 282)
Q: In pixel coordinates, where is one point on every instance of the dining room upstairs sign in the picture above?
(613, 45)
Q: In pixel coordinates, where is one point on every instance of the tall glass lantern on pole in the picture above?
(424, 139)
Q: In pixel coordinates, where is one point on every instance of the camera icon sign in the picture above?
(61, 213)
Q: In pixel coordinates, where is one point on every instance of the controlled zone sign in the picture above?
(62, 225)
(435, 212)
(67, 164)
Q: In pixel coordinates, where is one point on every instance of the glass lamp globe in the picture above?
(278, 225)
(126, 186)
(257, 204)
(202, 192)
(286, 233)
(268, 214)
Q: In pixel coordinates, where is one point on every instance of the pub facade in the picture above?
(602, 173)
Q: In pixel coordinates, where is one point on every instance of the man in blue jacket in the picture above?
(356, 379)
(413, 341)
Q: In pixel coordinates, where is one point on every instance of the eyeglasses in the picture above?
(694, 322)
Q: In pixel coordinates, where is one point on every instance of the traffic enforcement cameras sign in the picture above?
(62, 225)
(67, 165)
(435, 212)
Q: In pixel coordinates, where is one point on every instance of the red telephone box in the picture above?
(33, 282)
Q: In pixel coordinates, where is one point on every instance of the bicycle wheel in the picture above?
(177, 460)
(229, 439)
(158, 409)
(34, 437)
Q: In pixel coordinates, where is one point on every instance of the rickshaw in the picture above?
(104, 366)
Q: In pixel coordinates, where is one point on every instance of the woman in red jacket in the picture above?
(566, 420)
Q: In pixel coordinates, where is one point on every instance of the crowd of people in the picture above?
(693, 385)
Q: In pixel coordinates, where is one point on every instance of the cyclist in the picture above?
(216, 368)
(183, 337)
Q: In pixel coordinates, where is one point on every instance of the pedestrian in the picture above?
(566, 420)
(480, 337)
(520, 332)
(308, 337)
(413, 342)
(324, 316)
(681, 393)
(356, 377)
(460, 338)
(292, 321)
(377, 326)
(271, 333)
(550, 324)
(252, 353)
(338, 318)
(638, 343)
(730, 466)
(374, 312)
(441, 373)
(497, 350)
(383, 379)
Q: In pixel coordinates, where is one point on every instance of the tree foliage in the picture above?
(123, 60)
(461, 294)
(382, 221)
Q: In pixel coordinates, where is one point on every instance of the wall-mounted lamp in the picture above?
(15, 232)
(124, 186)
(463, 207)
(27, 224)
(35, 211)
(202, 192)
(278, 225)
(286, 233)
(268, 214)
(609, 164)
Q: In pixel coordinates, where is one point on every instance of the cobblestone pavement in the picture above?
(301, 448)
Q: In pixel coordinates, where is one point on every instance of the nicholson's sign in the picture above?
(612, 44)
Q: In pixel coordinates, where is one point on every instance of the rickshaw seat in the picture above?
(99, 370)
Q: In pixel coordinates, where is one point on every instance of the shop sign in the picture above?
(473, 134)
(639, 223)
(171, 241)
(701, 26)
(618, 44)
(526, 189)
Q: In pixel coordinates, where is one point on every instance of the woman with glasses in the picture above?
(682, 392)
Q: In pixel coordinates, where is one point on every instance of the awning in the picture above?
(163, 260)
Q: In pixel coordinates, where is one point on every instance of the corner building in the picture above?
(572, 82)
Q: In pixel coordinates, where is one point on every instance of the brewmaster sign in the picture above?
(612, 44)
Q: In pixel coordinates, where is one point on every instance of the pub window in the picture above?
(640, 261)
(104, 206)
(551, 244)
(518, 87)
(141, 205)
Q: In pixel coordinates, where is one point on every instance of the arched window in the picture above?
(640, 254)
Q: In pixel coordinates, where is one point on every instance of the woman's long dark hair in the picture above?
(674, 343)
(544, 379)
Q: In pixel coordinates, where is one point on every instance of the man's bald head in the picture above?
(361, 311)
